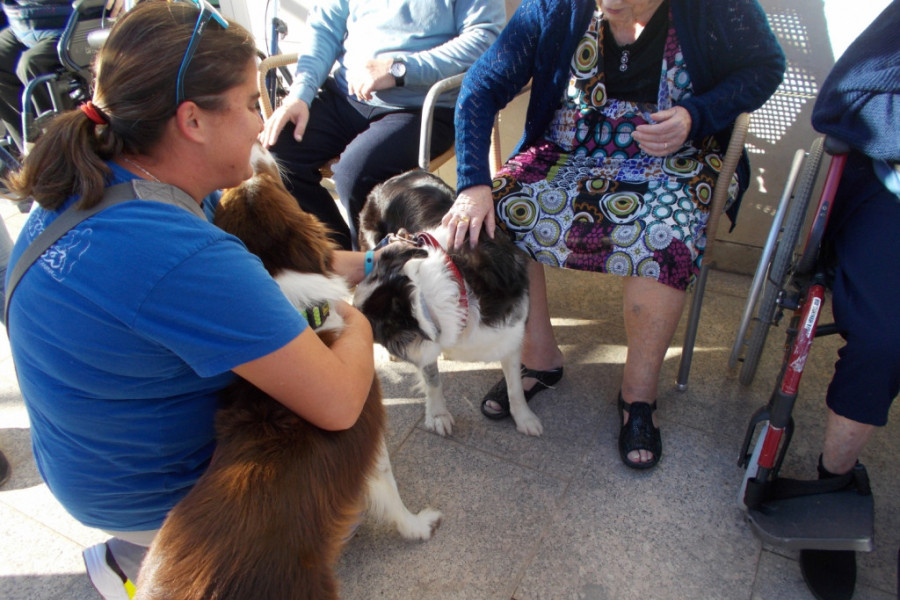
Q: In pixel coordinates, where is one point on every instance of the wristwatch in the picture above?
(398, 70)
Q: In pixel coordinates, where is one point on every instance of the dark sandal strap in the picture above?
(639, 433)
(500, 395)
(642, 435)
(547, 378)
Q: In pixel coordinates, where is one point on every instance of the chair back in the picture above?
(77, 44)
(70, 85)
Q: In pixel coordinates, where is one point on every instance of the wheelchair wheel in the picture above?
(782, 260)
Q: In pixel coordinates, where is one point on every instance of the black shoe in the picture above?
(829, 574)
(638, 433)
(545, 381)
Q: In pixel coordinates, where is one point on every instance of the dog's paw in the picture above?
(529, 425)
(441, 424)
(421, 526)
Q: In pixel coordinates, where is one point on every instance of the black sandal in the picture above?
(545, 380)
(638, 433)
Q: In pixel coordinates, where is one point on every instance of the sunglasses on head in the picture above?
(207, 12)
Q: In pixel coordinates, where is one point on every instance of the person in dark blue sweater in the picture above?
(631, 106)
(859, 104)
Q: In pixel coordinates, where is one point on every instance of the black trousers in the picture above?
(862, 230)
(373, 144)
(18, 65)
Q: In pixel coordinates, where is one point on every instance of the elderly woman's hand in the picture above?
(667, 134)
(473, 208)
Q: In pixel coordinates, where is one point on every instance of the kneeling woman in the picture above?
(125, 330)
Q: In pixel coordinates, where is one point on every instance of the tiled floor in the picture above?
(551, 517)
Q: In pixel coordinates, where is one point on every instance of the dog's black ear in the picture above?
(389, 308)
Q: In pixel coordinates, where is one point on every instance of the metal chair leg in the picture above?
(690, 334)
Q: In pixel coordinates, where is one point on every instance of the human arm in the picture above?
(352, 265)
(733, 57)
(219, 310)
(495, 79)
(530, 48)
(476, 24)
(297, 374)
(434, 39)
(321, 44)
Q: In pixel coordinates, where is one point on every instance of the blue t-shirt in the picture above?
(123, 333)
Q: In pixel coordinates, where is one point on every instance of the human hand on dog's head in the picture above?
(474, 207)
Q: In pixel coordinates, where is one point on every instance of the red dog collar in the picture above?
(425, 239)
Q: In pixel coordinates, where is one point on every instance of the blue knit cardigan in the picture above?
(732, 56)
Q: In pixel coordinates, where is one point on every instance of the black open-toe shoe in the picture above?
(638, 433)
(545, 381)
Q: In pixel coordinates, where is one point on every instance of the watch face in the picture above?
(398, 69)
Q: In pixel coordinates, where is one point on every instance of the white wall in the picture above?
(846, 19)
(256, 15)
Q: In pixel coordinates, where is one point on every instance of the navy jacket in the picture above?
(732, 56)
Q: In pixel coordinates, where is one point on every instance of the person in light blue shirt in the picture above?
(361, 79)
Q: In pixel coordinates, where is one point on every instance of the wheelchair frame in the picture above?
(795, 280)
(71, 84)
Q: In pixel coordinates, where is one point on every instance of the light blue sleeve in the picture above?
(478, 23)
(322, 44)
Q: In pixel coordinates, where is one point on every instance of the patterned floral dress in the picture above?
(585, 197)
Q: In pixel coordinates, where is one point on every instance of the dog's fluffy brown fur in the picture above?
(268, 518)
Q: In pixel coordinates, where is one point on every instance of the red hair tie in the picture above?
(93, 113)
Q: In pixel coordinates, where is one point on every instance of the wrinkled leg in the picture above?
(844, 440)
(652, 311)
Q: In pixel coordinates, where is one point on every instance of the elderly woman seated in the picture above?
(631, 107)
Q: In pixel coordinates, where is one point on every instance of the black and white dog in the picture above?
(424, 299)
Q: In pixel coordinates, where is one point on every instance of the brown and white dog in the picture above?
(268, 518)
(424, 299)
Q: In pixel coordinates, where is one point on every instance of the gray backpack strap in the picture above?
(115, 194)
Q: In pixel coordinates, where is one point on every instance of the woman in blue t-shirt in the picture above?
(124, 331)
